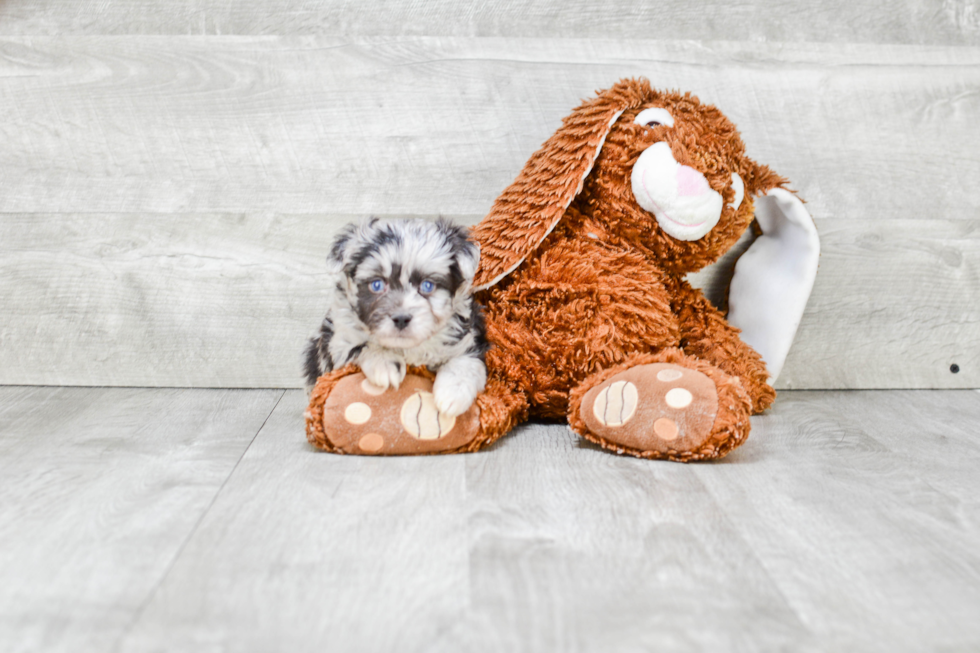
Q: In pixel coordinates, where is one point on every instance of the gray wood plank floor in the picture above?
(101, 488)
(200, 520)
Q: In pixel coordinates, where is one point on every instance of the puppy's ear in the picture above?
(530, 208)
(465, 252)
(348, 242)
(468, 259)
(340, 249)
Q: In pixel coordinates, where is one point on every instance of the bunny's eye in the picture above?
(377, 286)
(654, 117)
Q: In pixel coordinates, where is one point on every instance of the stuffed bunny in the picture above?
(588, 313)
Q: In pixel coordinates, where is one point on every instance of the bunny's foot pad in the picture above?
(659, 410)
(361, 418)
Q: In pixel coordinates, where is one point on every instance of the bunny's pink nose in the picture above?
(691, 182)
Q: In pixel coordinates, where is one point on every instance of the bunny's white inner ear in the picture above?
(773, 279)
(739, 188)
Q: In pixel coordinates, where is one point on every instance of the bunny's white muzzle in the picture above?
(679, 196)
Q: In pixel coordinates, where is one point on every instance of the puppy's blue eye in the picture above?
(377, 285)
(427, 286)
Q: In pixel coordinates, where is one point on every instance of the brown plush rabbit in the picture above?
(589, 315)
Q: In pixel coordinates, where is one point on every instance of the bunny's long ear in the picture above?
(531, 207)
(773, 279)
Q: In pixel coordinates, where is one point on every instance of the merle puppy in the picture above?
(402, 296)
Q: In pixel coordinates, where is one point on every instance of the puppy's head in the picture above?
(404, 279)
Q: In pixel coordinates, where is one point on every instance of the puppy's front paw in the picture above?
(453, 399)
(384, 372)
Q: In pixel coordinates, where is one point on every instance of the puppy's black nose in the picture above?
(401, 321)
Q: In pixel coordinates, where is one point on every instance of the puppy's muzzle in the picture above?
(401, 321)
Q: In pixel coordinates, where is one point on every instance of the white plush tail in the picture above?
(773, 279)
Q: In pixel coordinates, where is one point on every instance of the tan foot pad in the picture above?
(658, 407)
(361, 418)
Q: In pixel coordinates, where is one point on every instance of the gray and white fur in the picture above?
(402, 295)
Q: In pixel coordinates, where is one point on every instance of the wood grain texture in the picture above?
(428, 125)
(863, 508)
(167, 201)
(835, 527)
(953, 22)
(573, 549)
(307, 551)
(101, 488)
(895, 305)
(220, 300)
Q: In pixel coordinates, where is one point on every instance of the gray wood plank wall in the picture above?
(923, 22)
(167, 200)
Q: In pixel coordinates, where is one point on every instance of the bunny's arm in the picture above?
(706, 334)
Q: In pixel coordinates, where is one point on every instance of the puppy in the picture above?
(402, 296)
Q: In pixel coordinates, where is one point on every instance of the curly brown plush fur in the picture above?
(599, 282)
(581, 284)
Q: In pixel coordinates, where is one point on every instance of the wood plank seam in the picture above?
(190, 534)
